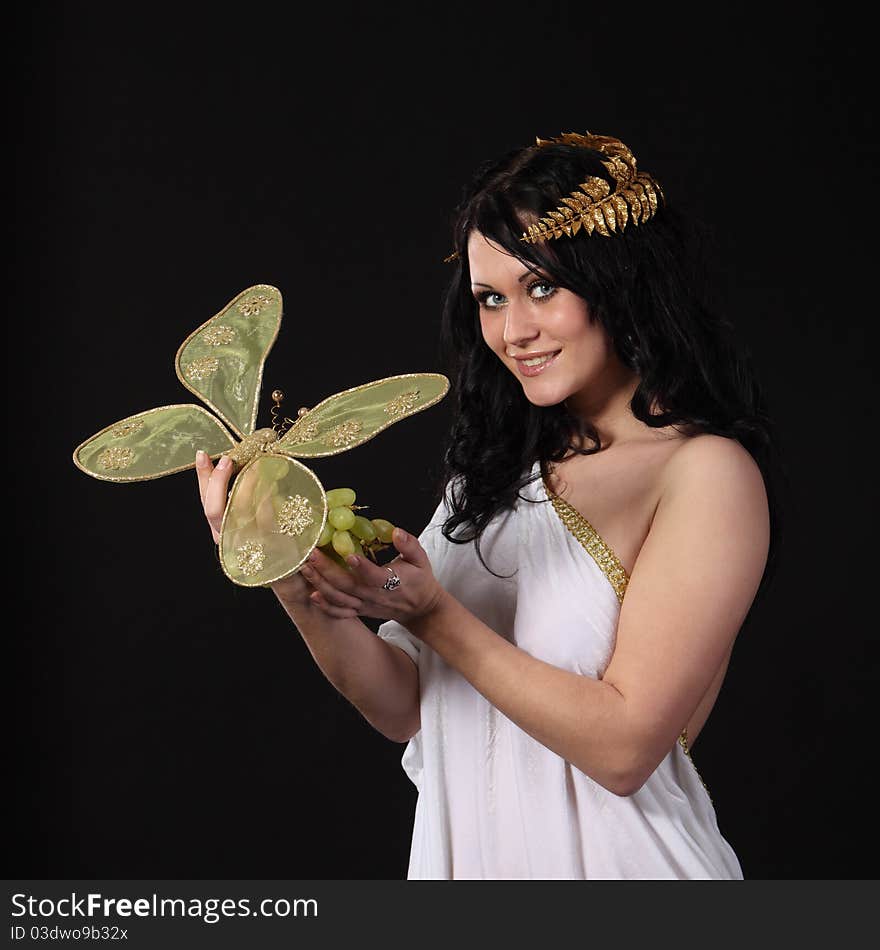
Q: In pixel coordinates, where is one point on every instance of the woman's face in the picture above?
(522, 314)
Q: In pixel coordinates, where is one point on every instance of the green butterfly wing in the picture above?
(222, 362)
(353, 416)
(152, 444)
(273, 519)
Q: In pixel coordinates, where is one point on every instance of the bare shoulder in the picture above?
(714, 465)
(714, 483)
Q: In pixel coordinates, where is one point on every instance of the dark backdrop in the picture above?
(168, 724)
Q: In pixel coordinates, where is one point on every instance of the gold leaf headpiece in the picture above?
(596, 207)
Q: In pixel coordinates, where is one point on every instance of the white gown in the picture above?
(493, 802)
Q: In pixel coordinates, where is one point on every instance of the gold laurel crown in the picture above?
(596, 207)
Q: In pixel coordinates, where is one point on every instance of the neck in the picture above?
(606, 406)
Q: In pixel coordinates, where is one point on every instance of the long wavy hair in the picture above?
(647, 287)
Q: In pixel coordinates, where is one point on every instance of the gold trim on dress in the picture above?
(594, 544)
(683, 742)
(591, 541)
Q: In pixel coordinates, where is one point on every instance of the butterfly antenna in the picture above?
(281, 424)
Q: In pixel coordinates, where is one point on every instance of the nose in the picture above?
(519, 325)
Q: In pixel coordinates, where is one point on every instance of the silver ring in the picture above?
(393, 582)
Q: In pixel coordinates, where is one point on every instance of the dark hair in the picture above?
(645, 284)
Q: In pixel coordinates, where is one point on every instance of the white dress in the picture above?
(493, 802)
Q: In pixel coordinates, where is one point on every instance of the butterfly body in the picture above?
(257, 443)
(277, 506)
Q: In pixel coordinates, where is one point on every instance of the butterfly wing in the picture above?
(152, 444)
(222, 362)
(353, 416)
(273, 519)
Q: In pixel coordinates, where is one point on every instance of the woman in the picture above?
(611, 456)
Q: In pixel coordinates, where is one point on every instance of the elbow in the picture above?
(619, 778)
(634, 772)
(400, 737)
(628, 785)
(405, 732)
(624, 784)
(625, 776)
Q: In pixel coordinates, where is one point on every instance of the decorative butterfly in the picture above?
(277, 507)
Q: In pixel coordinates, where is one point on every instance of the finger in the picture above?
(329, 592)
(368, 574)
(409, 548)
(332, 570)
(330, 609)
(203, 470)
(329, 583)
(215, 494)
(366, 589)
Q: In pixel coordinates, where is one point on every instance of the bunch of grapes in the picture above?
(346, 533)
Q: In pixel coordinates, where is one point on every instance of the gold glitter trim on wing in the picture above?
(287, 445)
(201, 368)
(303, 430)
(344, 434)
(683, 742)
(254, 305)
(402, 403)
(251, 558)
(116, 456)
(295, 515)
(128, 428)
(138, 419)
(256, 299)
(219, 335)
(591, 541)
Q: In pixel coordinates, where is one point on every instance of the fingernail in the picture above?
(400, 535)
(224, 462)
(200, 457)
(354, 561)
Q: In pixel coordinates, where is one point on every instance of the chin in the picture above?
(536, 399)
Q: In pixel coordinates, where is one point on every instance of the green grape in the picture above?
(343, 543)
(340, 497)
(383, 529)
(272, 469)
(363, 528)
(341, 518)
(326, 534)
(336, 558)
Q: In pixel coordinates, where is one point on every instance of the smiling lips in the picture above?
(537, 368)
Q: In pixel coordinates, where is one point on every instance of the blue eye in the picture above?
(542, 283)
(484, 295)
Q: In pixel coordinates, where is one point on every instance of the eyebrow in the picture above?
(519, 279)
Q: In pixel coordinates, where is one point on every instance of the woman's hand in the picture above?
(214, 489)
(359, 592)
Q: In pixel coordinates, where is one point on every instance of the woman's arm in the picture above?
(692, 585)
(376, 677)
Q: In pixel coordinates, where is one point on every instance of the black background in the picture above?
(169, 724)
